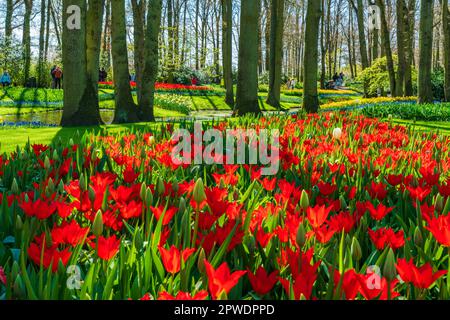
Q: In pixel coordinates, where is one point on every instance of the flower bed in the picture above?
(361, 103)
(358, 210)
(166, 87)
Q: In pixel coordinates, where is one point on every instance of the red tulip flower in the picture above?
(2, 276)
(440, 228)
(262, 282)
(172, 258)
(221, 279)
(379, 212)
(350, 283)
(107, 247)
(168, 215)
(52, 255)
(422, 277)
(387, 237)
(39, 209)
(318, 215)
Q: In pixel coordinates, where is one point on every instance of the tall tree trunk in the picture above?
(401, 47)
(74, 60)
(47, 30)
(267, 35)
(8, 19)
(138, 8)
(106, 41)
(171, 35)
(247, 88)
(410, 19)
(426, 51)
(227, 49)
(362, 38)
(126, 109)
(40, 68)
(310, 93)
(26, 41)
(276, 52)
(446, 31)
(323, 49)
(387, 47)
(89, 109)
(151, 59)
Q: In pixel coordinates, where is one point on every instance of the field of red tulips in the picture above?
(358, 210)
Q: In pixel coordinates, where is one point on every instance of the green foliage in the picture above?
(410, 111)
(437, 82)
(11, 59)
(377, 76)
(184, 76)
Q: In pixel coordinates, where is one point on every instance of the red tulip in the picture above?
(51, 255)
(107, 247)
(262, 282)
(374, 287)
(168, 215)
(440, 228)
(221, 279)
(350, 283)
(379, 212)
(318, 215)
(69, 233)
(387, 237)
(39, 209)
(422, 277)
(2, 276)
(172, 258)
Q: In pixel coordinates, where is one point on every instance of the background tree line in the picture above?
(240, 44)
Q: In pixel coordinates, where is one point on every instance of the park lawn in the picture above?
(11, 137)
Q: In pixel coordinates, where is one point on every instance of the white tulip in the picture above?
(337, 133)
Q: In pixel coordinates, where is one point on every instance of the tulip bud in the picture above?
(439, 203)
(19, 223)
(201, 261)
(82, 183)
(55, 156)
(301, 236)
(418, 238)
(47, 164)
(151, 140)
(143, 191)
(148, 198)
(15, 187)
(304, 200)
(182, 205)
(18, 287)
(199, 191)
(356, 249)
(105, 205)
(91, 194)
(160, 188)
(97, 226)
(389, 270)
(71, 143)
(61, 187)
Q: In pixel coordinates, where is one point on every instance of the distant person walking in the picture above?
(5, 80)
(194, 81)
(103, 75)
(57, 75)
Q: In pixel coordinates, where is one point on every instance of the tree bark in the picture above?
(401, 47)
(40, 67)
(446, 31)
(151, 60)
(387, 47)
(410, 19)
(362, 38)
(126, 109)
(310, 92)
(247, 88)
(74, 60)
(276, 52)
(138, 7)
(426, 51)
(26, 40)
(227, 49)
